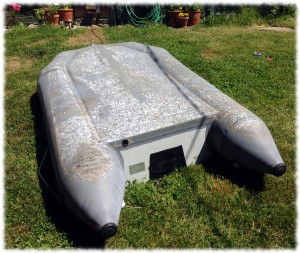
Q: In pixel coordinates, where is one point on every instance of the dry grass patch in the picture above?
(15, 63)
(209, 53)
(92, 35)
(40, 42)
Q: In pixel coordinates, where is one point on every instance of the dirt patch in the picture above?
(15, 63)
(93, 35)
(40, 42)
(277, 29)
(209, 53)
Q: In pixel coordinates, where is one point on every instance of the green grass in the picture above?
(250, 16)
(195, 207)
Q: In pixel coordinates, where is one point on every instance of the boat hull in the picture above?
(126, 112)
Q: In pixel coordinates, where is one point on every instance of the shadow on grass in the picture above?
(79, 234)
(251, 180)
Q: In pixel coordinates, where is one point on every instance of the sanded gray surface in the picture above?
(124, 92)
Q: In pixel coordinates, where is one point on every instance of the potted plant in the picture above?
(65, 14)
(172, 15)
(194, 14)
(52, 15)
(183, 19)
(40, 15)
(11, 15)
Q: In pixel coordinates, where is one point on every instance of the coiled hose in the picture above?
(154, 16)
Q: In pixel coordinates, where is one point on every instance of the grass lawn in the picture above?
(195, 207)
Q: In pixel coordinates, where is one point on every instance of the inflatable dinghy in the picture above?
(125, 112)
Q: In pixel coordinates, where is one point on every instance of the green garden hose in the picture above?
(154, 16)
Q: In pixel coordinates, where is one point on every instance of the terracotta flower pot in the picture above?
(52, 18)
(55, 19)
(183, 21)
(194, 17)
(47, 16)
(172, 18)
(65, 15)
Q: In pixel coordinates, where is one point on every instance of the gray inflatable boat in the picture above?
(125, 112)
